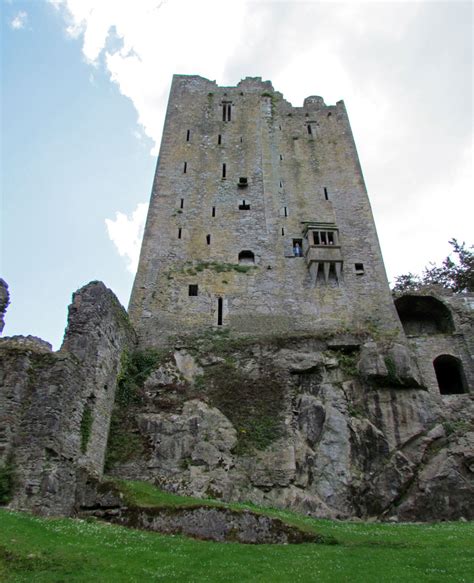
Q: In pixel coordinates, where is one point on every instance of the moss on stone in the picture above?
(7, 472)
(254, 406)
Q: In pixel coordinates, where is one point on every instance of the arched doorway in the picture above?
(450, 375)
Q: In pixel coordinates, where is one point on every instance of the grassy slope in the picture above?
(56, 550)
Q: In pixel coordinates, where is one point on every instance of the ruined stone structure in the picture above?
(259, 219)
(271, 363)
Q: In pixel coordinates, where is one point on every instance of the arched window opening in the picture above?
(246, 258)
(424, 315)
(450, 375)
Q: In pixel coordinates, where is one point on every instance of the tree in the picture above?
(455, 274)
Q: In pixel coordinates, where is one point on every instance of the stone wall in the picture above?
(55, 406)
(195, 229)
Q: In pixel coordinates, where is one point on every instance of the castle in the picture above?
(259, 219)
(263, 358)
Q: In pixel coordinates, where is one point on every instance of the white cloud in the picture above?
(404, 70)
(127, 232)
(19, 21)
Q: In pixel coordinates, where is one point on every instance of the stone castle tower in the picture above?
(259, 219)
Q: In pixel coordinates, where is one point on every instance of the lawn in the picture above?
(39, 550)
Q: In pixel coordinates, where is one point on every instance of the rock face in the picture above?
(55, 406)
(295, 423)
(4, 301)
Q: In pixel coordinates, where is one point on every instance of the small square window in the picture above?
(193, 290)
(359, 268)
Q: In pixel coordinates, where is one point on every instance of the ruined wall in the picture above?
(55, 406)
(295, 181)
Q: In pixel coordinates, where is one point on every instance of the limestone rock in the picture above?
(393, 366)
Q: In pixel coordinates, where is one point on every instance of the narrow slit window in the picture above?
(281, 184)
(193, 290)
(224, 112)
(185, 167)
(330, 238)
(310, 131)
(326, 196)
(213, 211)
(229, 112)
(224, 170)
(179, 233)
(188, 135)
(281, 157)
(285, 211)
(316, 238)
(283, 232)
(208, 239)
(219, 139)
(324, 240)
(181, 205)
(219, 311)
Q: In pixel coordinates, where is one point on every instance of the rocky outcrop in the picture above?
(55, 406)
(211, 523)
(4, 301)
(324, 429)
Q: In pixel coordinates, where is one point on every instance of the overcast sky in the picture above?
(84, 91)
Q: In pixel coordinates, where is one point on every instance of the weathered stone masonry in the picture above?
(241, 192)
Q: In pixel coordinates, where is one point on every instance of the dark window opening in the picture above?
(219, 139)
(316, 238)
(244, 206)
(185, 167)
(208, 239)
(326, 196)
(241, 140)
(213, 211)
(223, 170)
(188, 134)
(329, 114)
(219, 311)
(182, 203)
(323, 237)
(450, 375)
(179, 233)
(281, 157)
(424, 315)
(285, 211)
(246, 257)
(226, 111)
(283, 232)
(193, 290)
(359, 268)
(330, 238)
(298, 247)
(279, 127)
(310, 131)
(281, 184)
(243, 182)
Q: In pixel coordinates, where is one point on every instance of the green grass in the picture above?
(60, 550)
